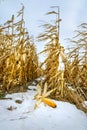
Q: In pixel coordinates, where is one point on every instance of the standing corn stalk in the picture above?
(77, 58)
(54, 76)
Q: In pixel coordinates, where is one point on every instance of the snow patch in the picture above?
(65, 117)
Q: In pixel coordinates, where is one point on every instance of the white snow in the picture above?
(23, 117)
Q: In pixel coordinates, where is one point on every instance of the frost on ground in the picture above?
(23, 116)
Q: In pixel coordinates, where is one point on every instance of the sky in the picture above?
(72, 13)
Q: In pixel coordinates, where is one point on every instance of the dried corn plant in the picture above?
(67, 73)
(5, 47)
(54, 76)
(18, 57)
(76, 68)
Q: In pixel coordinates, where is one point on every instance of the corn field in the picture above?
(18, 57)
(64, 72)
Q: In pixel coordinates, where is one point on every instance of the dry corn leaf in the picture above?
(42, 96)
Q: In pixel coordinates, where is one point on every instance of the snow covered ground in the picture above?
(23, 116)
